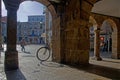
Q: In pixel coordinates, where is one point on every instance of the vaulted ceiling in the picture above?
(107, 7)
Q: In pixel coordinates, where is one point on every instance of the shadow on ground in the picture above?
(51, 64)
(107, 72)
(15, 75)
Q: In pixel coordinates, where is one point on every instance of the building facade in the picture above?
(31, 31)
(36, 18)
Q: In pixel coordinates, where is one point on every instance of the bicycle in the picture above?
(43, 53)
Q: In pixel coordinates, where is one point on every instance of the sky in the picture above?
(26, 9)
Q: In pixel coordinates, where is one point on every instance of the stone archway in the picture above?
(55, 29)
(47, 4)
(114, 37)
(12, 25)
(96, 41)
(77, 33)
(114, 22)
(109, 33)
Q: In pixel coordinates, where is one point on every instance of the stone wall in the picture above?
(75, 49)
(56, 39)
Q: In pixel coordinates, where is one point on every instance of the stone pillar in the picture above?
(0, 27)
(97, 45)
(47, 26)
(11, 54)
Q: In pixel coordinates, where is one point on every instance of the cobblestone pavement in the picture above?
(31, 69)
(2, 73)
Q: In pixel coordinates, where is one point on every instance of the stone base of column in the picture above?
(76, 57)
(11, 60)
(97, 58)
(115, 55)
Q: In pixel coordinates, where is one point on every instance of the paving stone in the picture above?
(31, 69)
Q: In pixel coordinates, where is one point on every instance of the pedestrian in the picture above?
(22, 44)
(102, 46)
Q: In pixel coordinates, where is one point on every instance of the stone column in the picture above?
(11, 54)
(97, 45)
(0, 28)
(1, 48)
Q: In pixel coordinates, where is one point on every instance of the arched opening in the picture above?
(94, 41)
(51, 25)
(108, 38)
(107, 30)
(112, 37)
(100, 15)
(31, 23)
(43, 25)
(92, 27)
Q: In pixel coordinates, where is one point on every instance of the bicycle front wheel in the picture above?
(43, 54)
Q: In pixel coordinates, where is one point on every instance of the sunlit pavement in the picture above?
(31, 69)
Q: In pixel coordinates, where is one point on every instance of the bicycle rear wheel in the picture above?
(43, 54)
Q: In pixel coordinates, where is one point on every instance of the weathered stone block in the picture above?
(11, 60)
